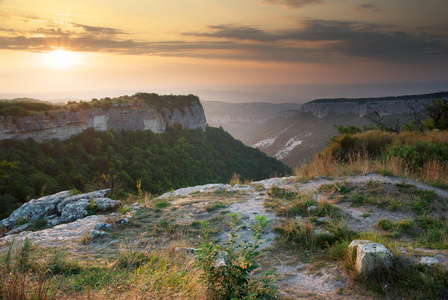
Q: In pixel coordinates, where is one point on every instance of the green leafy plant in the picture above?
(23, 257)
(231, 276)
(39, 224)
(93, 208)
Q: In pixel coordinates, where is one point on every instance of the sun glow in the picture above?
(61, 59)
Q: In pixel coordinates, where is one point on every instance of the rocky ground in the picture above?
(298, 276)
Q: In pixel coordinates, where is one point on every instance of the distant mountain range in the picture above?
(294, 133)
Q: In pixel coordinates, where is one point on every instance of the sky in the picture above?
(93, 46)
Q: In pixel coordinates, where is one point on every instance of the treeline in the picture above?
(23, 108)
(430, 96)
(173, 159)
(27, 107)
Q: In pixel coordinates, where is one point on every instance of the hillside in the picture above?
(99, 159)
(296, 139)
(242, 119)
(336, 230)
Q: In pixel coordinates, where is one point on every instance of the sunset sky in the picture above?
(92, 45)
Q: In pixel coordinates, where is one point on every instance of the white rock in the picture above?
(370, 257)
(103, 226)
(429, 260)
(312, 208)
(355, 243)
(95, 233)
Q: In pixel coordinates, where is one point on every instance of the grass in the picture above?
(368, 154)
(37, 273)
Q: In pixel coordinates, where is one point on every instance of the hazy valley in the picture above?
(294, 133)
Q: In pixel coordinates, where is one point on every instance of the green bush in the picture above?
(415, 156)
(232, 278)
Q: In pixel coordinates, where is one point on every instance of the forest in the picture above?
(157, 162)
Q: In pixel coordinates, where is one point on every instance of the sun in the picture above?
(61, 59)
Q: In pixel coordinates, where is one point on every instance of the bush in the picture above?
(231, 278)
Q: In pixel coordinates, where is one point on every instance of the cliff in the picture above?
(136, 113)
(362, 106)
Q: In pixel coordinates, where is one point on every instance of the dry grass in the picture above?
(136, 274)
(433, 172)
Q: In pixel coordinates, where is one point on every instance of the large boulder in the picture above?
(372, 256)
(61, 208)
(36, 209)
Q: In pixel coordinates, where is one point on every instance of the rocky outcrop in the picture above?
(60, 208)
(136, 116)
(360, 108)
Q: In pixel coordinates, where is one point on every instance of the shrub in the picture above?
(23, 257)
(39, 224)
(232, 278)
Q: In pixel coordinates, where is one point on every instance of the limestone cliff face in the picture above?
(133, 117)
(360, 108)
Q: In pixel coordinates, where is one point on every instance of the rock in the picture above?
(63, 125)
(370, 257)
(86, 196)
(122, 221)
(19, 229)
(61, 207)
(429, 260)
(236, 186)
(312, 208)
(75, 210)
(323, 220)
(322, 232)
(354, 244)
(186, 249)
(103, 226)
(106, 204)
(54, 221)
(36, 209)
(97, 233)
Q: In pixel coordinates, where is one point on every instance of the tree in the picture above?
(5, 165)
(437, 115)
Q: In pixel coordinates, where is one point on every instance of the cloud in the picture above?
(99, 30)
(366, 7)
(343, 39)
(291, 4)
(314, 41)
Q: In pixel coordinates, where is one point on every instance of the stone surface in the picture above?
(36, 209)
(429, 260)
(122, 221)
(370, 257)
(355, 243)
(323, 220)
(312, 208)
(60, 208)
(103, 226)
(19, 229)
(97, 233)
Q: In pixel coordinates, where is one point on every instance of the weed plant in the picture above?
(228, 269)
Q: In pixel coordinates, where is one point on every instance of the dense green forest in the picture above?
(173, 159)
